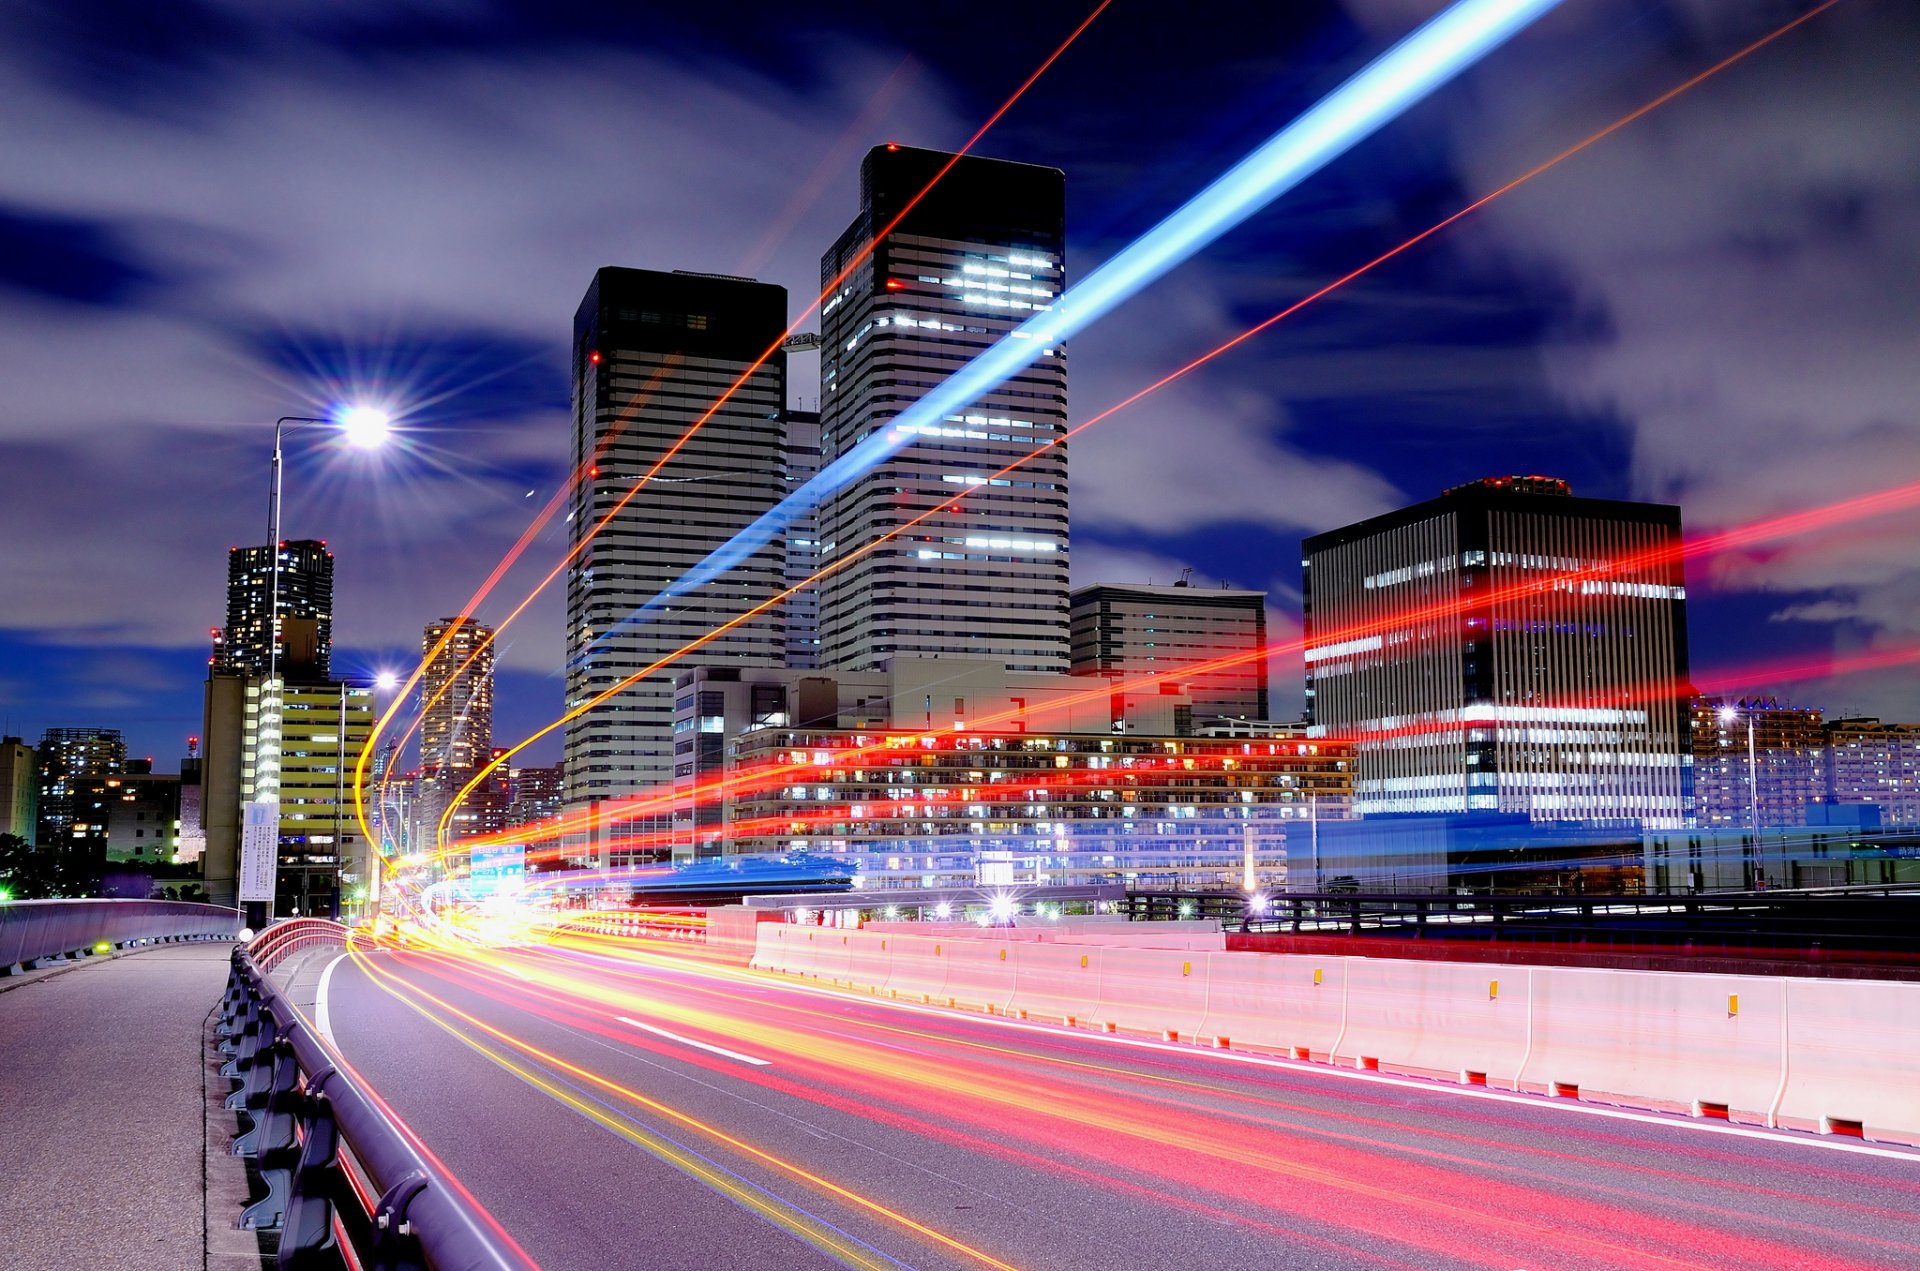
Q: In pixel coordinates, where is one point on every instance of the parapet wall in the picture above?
(1832, 1056)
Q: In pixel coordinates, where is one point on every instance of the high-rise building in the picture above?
(1137, 629)
(324, 860)
(967, 264)
(653, 356)
(1782, 774)
(19, 789)
(1506, 647)
(79, 768)
(306, 609)
(535, 794)
(800, 613)
(456, 719)
(143, 817)
(1869, 762)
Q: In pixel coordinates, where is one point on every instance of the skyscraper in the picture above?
(653, 354)
(1505, 647)
(456, 720)
(306, 609)
(80, 770)
(800, 614)
(966, 265)
(1137, 629)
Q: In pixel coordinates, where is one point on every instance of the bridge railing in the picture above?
(347, 1183)
(284, 939)
(32, 930)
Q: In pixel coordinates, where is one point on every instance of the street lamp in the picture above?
(364, 427)
(1727, 714)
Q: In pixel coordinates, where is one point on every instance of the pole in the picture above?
(1753, 795)
(273, 656)
(339, 804)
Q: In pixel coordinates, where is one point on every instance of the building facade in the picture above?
(79, 774)
(1213, 640)
(306, 608)
(19, 789)
(965, 265)
(800, 612)
(1506, 647)
(1771, 779)
(1877, 764)
(654, 355)
(456, 723)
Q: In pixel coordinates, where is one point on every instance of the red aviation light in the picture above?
(894, 284)
(893, 145)
(594, 357)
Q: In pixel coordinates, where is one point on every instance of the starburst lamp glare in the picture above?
(365, 427)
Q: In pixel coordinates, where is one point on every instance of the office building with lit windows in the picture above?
(1142, 630)
(800, 612)
(456, 720)
(967, 264)
(1506, 647)
(1870, 763)
(654, 354)
(19, 789)
(1774, 781)
(306, 609)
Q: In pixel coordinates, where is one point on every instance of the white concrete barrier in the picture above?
(1853, 1059)
(1281, 1002)
(1454, 1020)
(1057, 982)
(1160, 991)
(919, 969)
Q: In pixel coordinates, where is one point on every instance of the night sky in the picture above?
(213, 214)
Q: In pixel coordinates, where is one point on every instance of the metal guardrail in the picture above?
(347, 1186)
(284, 939)
(33, 930)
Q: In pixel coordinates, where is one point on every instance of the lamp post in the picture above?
(364, 427)
(1727, 714)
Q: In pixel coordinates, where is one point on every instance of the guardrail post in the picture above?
(395, 1247)
(307, 1237)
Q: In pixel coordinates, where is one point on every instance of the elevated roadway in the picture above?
(616, 1103)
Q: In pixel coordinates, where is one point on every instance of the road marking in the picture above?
(688, 1041)
(320, 1020)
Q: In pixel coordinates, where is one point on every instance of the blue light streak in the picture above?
(1387, 87)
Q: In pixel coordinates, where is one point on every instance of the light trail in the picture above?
(1894, 498)
(1398, 79)
(1272, 1163)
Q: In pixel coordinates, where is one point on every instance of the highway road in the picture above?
(628, 1104)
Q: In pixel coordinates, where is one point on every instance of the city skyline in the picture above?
(1519, 343)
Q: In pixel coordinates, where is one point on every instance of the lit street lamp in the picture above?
(365, 428)
(1727, 714)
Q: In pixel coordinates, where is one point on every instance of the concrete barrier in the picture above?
(1458, 1021)
(869, 959)
(980, 973)
(1293, 1005)
(1156, 991)
(1057, 982)
(1853, 1059)
(919, 969)
(1705, 1044)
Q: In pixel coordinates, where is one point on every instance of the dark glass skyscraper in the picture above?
(1506, 647)
(972, 260)
(654, 353)
(306, 609)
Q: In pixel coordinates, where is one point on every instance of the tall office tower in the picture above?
(535, 794)
(1138, 630)
(653, 355)
(1778, 779)
(306, 609)
(80, 772)
(974, 258)
(801, 612)
(19, 789)
(1876, 763)
(456, 720)
(1505, 647)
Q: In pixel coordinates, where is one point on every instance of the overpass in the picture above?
(630, 1097)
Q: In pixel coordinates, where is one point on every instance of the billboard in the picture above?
(259, 850)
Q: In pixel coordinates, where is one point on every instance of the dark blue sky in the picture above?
(215, 213)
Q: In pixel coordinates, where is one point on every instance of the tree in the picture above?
(27, 873)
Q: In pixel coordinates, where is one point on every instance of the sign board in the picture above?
(497, 869)
(259, 850)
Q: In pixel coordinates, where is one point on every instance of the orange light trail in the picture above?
(1811, 518)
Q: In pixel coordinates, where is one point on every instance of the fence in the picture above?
(35, 930)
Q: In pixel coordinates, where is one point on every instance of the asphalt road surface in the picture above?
(622, 1106)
